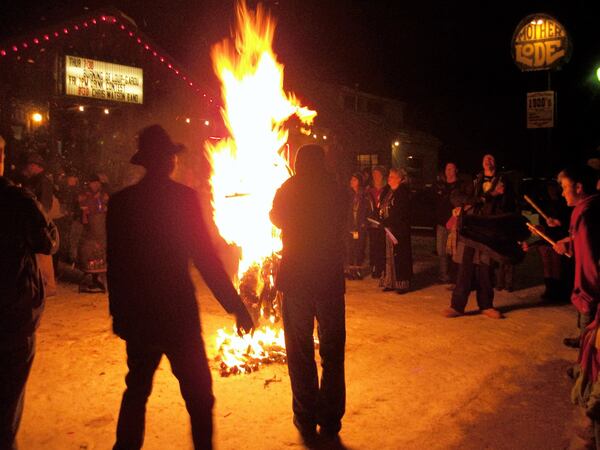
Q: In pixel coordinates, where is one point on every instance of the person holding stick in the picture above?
(554, 220)
(579, 190)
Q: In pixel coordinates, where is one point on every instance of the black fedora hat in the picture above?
(154, 143)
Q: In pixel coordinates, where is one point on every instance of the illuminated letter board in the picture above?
(103, 80)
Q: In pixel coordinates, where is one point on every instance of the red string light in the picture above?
(113, 20)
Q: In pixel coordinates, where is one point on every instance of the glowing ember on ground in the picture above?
(248, 353)
(248, 167)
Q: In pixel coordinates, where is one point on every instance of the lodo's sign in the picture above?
(103, 80)
(540, 42)
(540, 109)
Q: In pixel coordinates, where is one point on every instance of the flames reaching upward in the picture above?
(251, 164)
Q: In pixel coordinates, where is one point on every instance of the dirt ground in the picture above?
(415, 380)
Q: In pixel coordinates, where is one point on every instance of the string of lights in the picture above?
(91, 22)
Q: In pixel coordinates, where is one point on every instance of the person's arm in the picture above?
(563, 246)
(42, 234)
(204, 257)
(46, 193)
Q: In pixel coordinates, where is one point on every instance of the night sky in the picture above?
(451, 64)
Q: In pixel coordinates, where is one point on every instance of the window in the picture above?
(367, 160)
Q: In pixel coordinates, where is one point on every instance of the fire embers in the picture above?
(246, 354)
(257, 289)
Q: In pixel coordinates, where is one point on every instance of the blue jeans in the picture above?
(313, 402)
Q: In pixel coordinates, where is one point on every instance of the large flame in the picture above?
(251, 164)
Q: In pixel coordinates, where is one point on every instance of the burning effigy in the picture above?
(248, 167)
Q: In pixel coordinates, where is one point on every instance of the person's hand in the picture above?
(456, 211)
(499, 189)
(553, 222)
(244, 322)
(562, 247)
(525, 246)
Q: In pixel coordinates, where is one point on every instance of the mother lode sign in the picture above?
(540, 42)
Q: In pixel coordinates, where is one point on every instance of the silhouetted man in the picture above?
(35, 179)
(24, 231)
(154, 229)
(309, 209)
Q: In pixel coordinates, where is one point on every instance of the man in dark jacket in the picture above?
(309, 209)
(154, 229)
(451, 192)
(35, 179)
(24, 231)
(491, 197)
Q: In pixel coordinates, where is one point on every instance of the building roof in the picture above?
(109, 17)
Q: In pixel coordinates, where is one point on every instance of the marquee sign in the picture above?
(540, 42)
(103, 80)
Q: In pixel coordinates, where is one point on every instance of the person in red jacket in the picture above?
(579, 190)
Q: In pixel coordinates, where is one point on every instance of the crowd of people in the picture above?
(146, 235)
(77, 205)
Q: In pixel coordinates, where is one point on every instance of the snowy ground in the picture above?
(415, 380)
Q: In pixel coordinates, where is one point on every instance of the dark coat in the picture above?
(154, 229)
(450, 196)
(24, 231)
(359, 208)
(486, 204)
(42, 188)
(311, 212)
(397, 219)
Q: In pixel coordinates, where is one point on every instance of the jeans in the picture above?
(190, 367)
(473, 276)
(16, 358)
(315, 403)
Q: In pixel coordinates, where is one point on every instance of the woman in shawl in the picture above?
(395, 216)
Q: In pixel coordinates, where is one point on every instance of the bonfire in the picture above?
(247, 169)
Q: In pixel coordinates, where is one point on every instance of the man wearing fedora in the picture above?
(154, 229)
